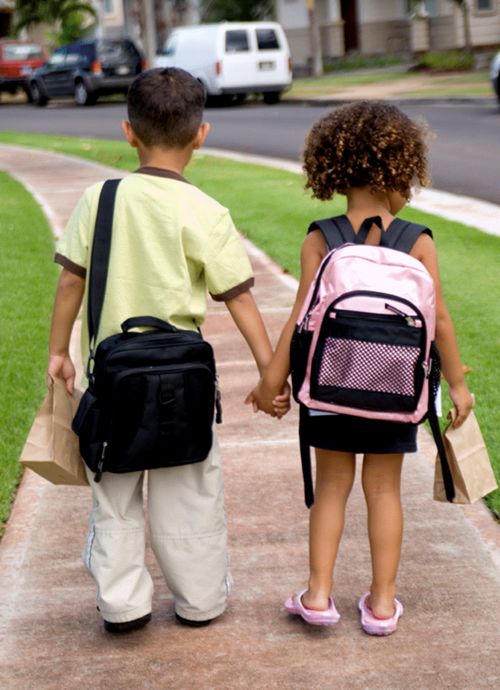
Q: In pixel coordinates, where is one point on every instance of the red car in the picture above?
(17, 61)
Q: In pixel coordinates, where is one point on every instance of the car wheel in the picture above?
(497, 87)
(37, 97)
(82, 95)
(271, 97)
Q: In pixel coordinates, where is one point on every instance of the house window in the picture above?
(484, 5)
(429, 7)
(108, 6)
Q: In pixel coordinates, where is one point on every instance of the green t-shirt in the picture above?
(170, 243)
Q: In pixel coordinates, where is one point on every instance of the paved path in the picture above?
(51, 637)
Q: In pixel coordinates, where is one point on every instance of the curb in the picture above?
(439, 100)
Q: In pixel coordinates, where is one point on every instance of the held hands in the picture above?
(273, 402)
(61, 367)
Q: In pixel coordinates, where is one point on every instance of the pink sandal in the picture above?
(379, 626)
(329, 616)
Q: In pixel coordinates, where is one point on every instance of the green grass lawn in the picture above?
(273, 210)
(464, 84)
(27, 281)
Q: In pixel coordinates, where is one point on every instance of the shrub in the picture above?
(449, 60)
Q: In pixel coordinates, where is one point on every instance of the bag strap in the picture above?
(434, 384)
(449, 488)
(305, 458)
(402, 235)
(101, 248)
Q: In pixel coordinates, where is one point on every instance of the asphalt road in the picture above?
(464, 156)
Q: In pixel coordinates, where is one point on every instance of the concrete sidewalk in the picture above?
(51, 637)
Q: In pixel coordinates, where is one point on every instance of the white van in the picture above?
(232, 58)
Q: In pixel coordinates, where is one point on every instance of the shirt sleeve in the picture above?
(228, 271)
(72, 250)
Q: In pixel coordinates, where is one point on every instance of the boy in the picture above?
(170, 243)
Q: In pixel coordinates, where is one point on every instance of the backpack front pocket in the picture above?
(161, 417)
(368, 361)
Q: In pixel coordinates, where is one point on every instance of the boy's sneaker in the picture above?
(127, 626)
(192, 623)
(378, 626)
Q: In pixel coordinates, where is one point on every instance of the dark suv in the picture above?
(87, 70)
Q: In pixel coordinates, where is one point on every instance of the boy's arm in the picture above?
(249, 322)
(69, 295)
(312, 253)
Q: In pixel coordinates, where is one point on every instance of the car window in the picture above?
(57, 58)
(267, 39)
(73, 58)
(22, 52)
(236, 41)
(110, 51)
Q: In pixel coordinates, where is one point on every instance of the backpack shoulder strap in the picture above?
(101, 247)
(336, 231)
(402, 235)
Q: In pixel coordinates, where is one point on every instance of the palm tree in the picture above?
(70, 16)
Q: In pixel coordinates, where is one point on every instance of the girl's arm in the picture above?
(274, 379)
(446, 340)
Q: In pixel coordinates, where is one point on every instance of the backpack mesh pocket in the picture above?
(361, 365)
(372, 363)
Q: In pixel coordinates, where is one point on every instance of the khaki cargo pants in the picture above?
(188, 536)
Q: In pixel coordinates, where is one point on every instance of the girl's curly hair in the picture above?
(370, 143)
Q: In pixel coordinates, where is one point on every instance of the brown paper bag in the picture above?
(469, 463)
(52, 449)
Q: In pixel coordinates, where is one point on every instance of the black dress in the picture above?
(357, 434)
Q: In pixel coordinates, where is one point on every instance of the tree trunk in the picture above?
(149, 37)
(315, 40)
(466, 18)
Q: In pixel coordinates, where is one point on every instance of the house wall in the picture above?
(485, 26)
(292, 14)
(384, 26)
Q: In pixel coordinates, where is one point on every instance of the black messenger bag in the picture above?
(152, 395)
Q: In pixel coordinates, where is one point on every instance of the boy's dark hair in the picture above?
(370, 143)
(165, 107)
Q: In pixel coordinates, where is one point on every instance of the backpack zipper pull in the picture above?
(410, 320)
(100, 464)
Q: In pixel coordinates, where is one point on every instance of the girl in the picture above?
(372, 153)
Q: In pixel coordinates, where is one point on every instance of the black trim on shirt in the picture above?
(66, 263)
(234, 291)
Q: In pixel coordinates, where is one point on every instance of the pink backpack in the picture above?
(363, 343)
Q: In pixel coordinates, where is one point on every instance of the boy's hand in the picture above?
(61, 367)
(269, 401)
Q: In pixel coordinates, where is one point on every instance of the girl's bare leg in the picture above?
(381, 480)
(334, 479)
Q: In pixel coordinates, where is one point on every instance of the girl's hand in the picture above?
(281, 403)
(61, 367)
(463, 402)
